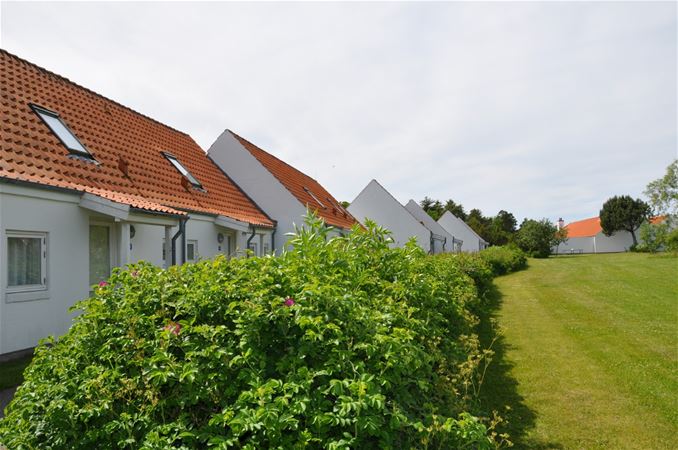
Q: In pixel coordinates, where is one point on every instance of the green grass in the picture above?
(12, 372)
(588, 353)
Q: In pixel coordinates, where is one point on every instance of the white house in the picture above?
(441, 240)
(377, 204)
(282, 191)
(471, 241)
(586, 236)
(87, 184)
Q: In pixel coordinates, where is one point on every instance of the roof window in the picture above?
(59, 128)
(315, 198)
(182, 170)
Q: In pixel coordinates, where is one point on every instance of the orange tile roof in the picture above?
(591, 227)
(299, 184)
(584, 228)
(115, 136)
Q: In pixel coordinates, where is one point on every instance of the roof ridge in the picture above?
(64, 79)
(271, 155)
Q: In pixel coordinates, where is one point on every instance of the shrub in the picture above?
(504, 259)
(337, 344)
(537, 237)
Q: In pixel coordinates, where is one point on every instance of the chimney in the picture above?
(561, 223)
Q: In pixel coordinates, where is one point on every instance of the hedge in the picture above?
(504, 259)
(341, 343)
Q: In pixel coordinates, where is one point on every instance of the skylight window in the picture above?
(182, 170)
(315, 198)
(59, 128)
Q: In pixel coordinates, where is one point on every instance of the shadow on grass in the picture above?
(500, 390)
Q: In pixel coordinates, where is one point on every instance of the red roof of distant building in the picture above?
(127, 145)
(591, 227)
(307, 190)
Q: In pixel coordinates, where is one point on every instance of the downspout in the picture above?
(273, 240)
(445, 242)
(254, 233)
(180, 232)
(431, 243)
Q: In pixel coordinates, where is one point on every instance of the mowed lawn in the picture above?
(588, 354)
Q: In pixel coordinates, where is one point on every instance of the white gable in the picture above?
(438, 231)
(460, 230)
(377, 204)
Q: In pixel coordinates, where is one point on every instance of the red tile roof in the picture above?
(303, 187)
(584, 228)
(591, 227)
(116, 136)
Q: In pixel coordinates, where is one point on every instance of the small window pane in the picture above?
(62, 132)
(182, 170)
(24, 255)
(190, 252)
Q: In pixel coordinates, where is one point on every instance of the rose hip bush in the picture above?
(337, 344)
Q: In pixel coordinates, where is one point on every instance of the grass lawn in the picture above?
(11, 373)
(588, 353)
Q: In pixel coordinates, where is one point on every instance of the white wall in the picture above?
(442, 239)
(620, 241)
(375, 203)
(460, 230)
(27, 317)
(259, 184)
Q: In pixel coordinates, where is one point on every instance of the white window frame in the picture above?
(42, 112)
(43, 266)
(254, 246)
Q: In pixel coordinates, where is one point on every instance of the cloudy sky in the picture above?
(542, 109)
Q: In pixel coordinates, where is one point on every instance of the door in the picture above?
(99, 253)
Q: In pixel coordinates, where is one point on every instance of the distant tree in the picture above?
(537, 237)
(623, 213)
(479, 223)
(434, 208)
(456, 208)
(507, 221)
(345, 204)
(663, 192)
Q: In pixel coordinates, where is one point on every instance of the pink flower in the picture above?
(173, 328)
(289, 301)
(102, 284)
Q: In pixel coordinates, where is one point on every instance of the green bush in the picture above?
(504, 259)
(338, 344)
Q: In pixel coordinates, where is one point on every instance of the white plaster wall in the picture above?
(23, 323)
(620, 241)
(375, 203)
(457, 228)
(259, 184)
(442, 239)
(575, 245)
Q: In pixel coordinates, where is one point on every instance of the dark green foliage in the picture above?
(623, 213)
(338, 344)
(455, 208)
(503, 260)
(435, 209)
(537, 237)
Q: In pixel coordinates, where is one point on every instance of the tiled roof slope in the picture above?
(30, 152)
(584, 228)
(591, 227)
(295, 181)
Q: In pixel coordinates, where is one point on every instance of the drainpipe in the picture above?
(180, 232)
(432, 243)
(273, 240)
(445, 242)
(254, 232)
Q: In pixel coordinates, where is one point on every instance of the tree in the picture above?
(434, 208)
(478, 223)
(663, 192)
(537, 237)
(455, 208)
(623, 213)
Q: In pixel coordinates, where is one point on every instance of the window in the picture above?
(315, 198)
(99, 253)
(254, 247)
(265, 249)
(191, 251)
(59, 128)
(182, 170)
(26, 261)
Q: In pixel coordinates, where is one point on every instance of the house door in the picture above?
(99, 253)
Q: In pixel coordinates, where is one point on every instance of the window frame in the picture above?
(178, 166)
(40, 111)
(194, 243)
(44, 286)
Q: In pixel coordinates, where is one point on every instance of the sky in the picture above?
(542, 109)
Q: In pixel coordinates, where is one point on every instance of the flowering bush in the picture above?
(337, 344)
